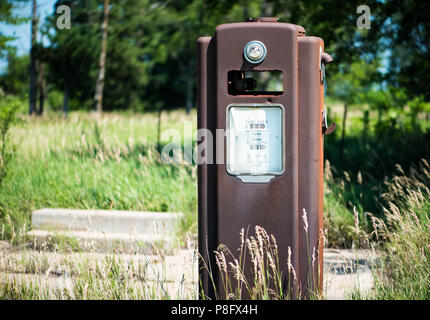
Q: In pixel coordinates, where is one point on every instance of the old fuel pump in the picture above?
(261, 82)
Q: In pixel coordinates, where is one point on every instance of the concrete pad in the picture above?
(4, 245)
(344, 270)
(348, 270)
(108, 221)
(181, 265)
(152, 276)
(106, 229)
(103, 242)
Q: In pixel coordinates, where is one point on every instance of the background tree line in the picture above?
(151, 46)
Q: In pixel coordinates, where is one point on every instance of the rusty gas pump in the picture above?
(261, 82)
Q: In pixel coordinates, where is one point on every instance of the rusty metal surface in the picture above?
(262, 19)
(206, 173)
(226, 204)
(330, 128)
(310, 163)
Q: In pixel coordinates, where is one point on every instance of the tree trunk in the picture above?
(365, 123)
(33, 72)
(245, 9)
(98, 97)
(41, 87)
(66, 99)
(266, 9)
(378, 124)
(190, 85)
(342, 140)
(159, 132)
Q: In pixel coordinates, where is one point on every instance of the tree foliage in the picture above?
(8, 17)
(15, 79)
(406, 33)
(152, 45)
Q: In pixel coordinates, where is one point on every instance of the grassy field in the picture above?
(111, 162)
(402, 238)
(362, 174)
(89, 162)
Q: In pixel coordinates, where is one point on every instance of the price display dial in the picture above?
(255, 136)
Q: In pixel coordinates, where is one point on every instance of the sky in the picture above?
(22, 32)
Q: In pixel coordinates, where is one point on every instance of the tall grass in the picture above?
(406, 236)
(259, 279)
(112, 163)
(256, 272)
(358, 177)
(105, 163)
(39, 274)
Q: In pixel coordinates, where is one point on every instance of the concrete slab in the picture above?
(181, 265)
(348, 270)
(106, 229)
(344, 270)
(103, 242)
(149, 276)
(108, 221)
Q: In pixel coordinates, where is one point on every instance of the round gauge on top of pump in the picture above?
(255, 51)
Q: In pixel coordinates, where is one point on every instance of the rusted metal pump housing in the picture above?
(230, 201)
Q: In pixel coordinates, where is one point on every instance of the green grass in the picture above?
(112, 163)
(40, 274)
(360, 176)
(105, 163)
(407, 238)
